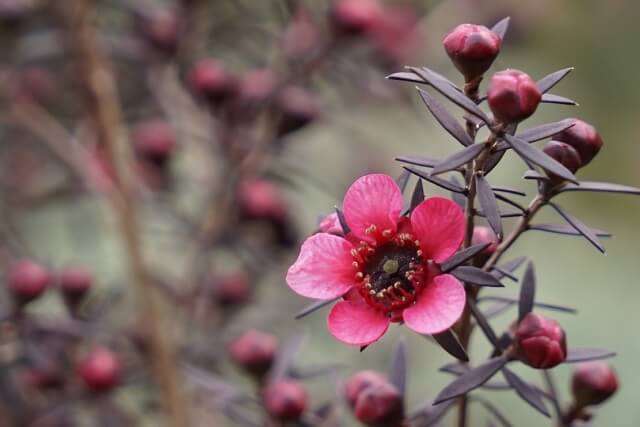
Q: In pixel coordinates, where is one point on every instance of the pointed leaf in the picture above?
(501, 189)
(489, 204)
(458, 159)
(510, 202)
(463, 256)
(580, 227)
(446, 120)
(450, 91)
(450, 343)
(476, 276)
(442, 183)
(566, 230)
(492, 162)
(398, 368)
(605, 187)
(426, 162)
(511, 301)
(577, 355)
(501, 27)
(510, 266)
(539, 133)
(314, 307)
(536, 156)
(534, 175)
(402, 180)
(471, 379)
(549, 98)
(527, 292)
(526, 392)
(503, 273)
(483, 323)
(418, 195)
(406, 77)
(458, 369)
(550, 80)
(343, 222)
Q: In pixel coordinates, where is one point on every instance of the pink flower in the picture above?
(386, 269)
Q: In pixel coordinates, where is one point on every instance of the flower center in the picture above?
(392, 274)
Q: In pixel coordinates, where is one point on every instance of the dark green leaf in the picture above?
(577, 355)
(435, 180)
(418, 195)
(549, 98)
(550, 80)
(446, 120)
(398, 368)
(604, 187)
(471, 379)
(580, 227)
(314, 307)
(526, 392)
(462, 256)
(527, 292)
(402, 180)
(489, 204)
(536, 156)
(501, 27)
(343, 222)
(458, 159)
(566, 230)
(450, 343)
(476, 276)
(426, 162)
(406, 77)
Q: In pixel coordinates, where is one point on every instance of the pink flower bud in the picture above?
(100, 370)
(254, 351)
(360, 381)
(564, 154)
(540, 342)
(513, 96)
(298, 108)
(355, 17)
(261, 199)
(593, 383)
(27, 280)
(232, 289)
(284, 400)
(481, 235)
(75, 282)
(331, 224)
(584, 138)
(210, 80)
(472, 49)
(302, 35)
(380, 405)
(398, 35)
(162, 29)
(154, 142)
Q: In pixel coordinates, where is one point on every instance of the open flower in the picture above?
(386, 268)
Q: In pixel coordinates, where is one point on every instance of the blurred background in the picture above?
(360, 122)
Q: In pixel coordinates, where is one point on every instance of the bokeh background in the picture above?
(364, 134)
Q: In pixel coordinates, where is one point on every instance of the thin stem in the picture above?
(553, 393)
(102, 94)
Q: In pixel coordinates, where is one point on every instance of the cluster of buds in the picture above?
(374, 400)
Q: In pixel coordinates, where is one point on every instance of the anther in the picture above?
(386, 233)
(359, 275)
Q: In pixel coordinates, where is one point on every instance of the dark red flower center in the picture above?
(391, 273)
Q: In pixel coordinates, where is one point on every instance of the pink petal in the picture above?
(356, 323)
(372, 199)
(439, 225)
(324, 267)
(439, 306)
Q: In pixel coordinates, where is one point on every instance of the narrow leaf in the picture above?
(343, 222)
(484, 324)
(492, 162)
(463, 256)
(512, 265)
(418, 195)
(511, 301)
(450, 343)
(489, 204)
(406, 77)
(549, 98)
(398, 368)
(426, 162)
(566, 230)
(504, 273)
(576, 355)
(493, 411)
(402, 180)
(527, 292)
(429, 415)
(314, 307)
(550, 80)
(604, 187)
(446, 120)
(580, 227)
(442, 183)
(476, 276)
(471, 379)
(501, 189)
(501, 27)
(534, 175)
(545, 131)
(458, 369)
(536, 156)
(458, 159)
(448, 90)
(526, 392)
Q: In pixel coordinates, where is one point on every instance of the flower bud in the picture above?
(261, 199)
(154, 142)
(162, 29)
(360, 381)
(564, 154)
(43, 379)
(472, 49)
(380, 405)
(302, 35)
(232, 289)
(512, 96)
(210, 80)
(584, 138)
(100, 370)
(540, 342)
(298, 108)
(27, 280)
(331, 224)
(254, 351)
(355, 17)
(284, 400)
(593, 383)
(481, 235)
(256, 86)
(398, 35)
(75, 282)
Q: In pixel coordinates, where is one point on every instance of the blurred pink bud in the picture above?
(27, 280)
(211, 81)
(360, 381)
(154, 142)
(284, 400)
(380, 405)
(356, 17)
(231, 289)
(593, 383)
(100, 370)
(254, 351)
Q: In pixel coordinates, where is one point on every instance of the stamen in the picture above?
(355, 264)
(386, 233)
(359, 275)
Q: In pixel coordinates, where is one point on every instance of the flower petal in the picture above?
(439, 225)
(356, 323)
(324, 267)
(438, 307)
(373, 199)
